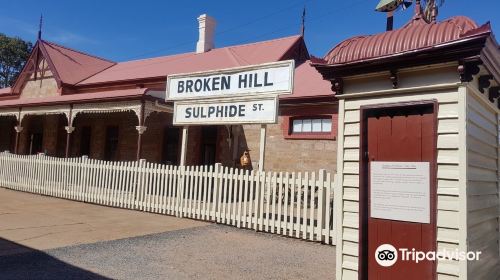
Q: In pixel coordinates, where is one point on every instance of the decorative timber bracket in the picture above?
(394, 79)
(466, 70)
(494, 92)
(483, 82)
(337, 85)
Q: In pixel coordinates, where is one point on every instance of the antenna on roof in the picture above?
(389, 7)
(303, 25)
(40, 27)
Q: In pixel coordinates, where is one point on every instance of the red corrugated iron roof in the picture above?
(308, 83)
(219, 58)
(5, 91)
(102, 96)
(73, 66)
(416, 34)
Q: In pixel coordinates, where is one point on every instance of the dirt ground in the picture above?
(48, 238)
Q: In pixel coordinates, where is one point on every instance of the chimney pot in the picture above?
(206, 29)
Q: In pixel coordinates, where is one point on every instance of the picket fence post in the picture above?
(295, 204)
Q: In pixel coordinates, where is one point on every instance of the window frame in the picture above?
(288, 127)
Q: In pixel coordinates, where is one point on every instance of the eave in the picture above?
(463, 49)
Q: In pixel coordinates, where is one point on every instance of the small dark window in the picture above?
(171, 146)
(85, 141)
(111, 145)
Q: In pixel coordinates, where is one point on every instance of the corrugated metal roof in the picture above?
(416, 34)
(218, 58)
(72, 66)
(101, 96)
(5, 91)
(308, 83)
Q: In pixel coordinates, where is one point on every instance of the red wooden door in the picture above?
(401, 134)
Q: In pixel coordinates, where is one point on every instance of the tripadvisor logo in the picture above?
(387, 255)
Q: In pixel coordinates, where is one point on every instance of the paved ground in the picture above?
(41, 222)
(165, 247)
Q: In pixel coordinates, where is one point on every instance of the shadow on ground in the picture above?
(21, 262)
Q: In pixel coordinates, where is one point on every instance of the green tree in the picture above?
(13, 55)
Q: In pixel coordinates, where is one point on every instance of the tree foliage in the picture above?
(428, 6)
(13, 55)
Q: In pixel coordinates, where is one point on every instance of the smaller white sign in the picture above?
(224, 111)
(400, 191)
(262, 79)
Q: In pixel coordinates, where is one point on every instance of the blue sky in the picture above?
(125, 30)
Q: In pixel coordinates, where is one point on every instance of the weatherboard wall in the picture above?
(414, 85)
(482, 184)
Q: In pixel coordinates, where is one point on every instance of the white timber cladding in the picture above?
(482, 184)
(448, 171)
(448, 186)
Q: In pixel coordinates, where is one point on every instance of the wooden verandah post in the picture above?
(140, 129)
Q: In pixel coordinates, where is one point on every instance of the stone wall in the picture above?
(281, 154)
(53, 134)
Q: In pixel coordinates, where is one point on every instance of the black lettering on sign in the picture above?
(196, 112)
(198, 85)
(266, 82)
(242, 81)
(189, 86)
(256, 81)
(226, 82)
(211, 111)
(180, 87)
(188, 113)
(242, 111)
(206, 84)
(233, 110)
(215, 83)
(220, 112)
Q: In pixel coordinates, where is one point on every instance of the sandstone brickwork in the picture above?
(231, 141)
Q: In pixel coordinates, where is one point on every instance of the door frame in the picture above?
(363, 179)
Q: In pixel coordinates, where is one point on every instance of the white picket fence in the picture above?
(293, 204)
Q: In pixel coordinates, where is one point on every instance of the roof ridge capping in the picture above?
(217, 48)
(418, 33)
(77, 51)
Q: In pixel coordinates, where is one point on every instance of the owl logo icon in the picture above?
(386, 255)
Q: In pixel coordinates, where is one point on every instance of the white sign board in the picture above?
(400, 191)
(262, 79)
(226, 111)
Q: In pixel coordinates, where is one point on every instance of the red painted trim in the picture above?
(309, 112)
(51, 65)
(16, 87)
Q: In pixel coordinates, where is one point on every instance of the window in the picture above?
(309, 122)
(317, 125)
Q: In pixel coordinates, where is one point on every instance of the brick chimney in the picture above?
(206, 30)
